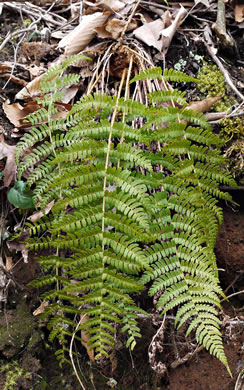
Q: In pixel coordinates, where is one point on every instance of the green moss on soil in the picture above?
(16, 328)
(212, 83)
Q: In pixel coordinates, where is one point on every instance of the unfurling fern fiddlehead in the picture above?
(126, 217)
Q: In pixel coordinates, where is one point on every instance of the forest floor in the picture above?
(27, 358)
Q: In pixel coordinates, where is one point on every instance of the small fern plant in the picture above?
(125, 216)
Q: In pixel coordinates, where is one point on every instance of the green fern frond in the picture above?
(174, 114)
(167, 96)
(131, 206)
(106, 103)
(130, 326)
(101, 131)
(177, 76)
(56, 71)
(151, 74)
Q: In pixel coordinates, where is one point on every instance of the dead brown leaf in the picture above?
(9, 263)
(113, 28)
(17, 114)
(39, 214)
(111, 5)
(149, 33)
(10, 166)
(119, 62)
(30, 90)
(5, 68)
(41, 308)
(214, 116)
(144, 17)
(204, 105)
(75, 11)
(167, 34)
(79, 38)
(160, 32)
(36, 50)
(59, 34)
(35, 70)
(204, 2)
(5, 73)
(239, 13)
(70, 94)
(18, 246)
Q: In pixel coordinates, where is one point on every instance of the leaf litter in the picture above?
(8, 151)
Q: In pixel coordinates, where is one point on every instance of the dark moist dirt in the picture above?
(24, 338)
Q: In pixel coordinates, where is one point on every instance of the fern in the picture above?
(120, 232)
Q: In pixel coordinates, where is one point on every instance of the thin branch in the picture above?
(187, 357)
(17, 32)
(233, 295)
(220, 27)
(26, 8)
(129, 20)
(212, 51)
(71, 352)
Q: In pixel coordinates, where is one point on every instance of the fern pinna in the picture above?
(126, 216)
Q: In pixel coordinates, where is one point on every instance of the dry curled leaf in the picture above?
(204, 2)
(39, 214)
(239, 13)
(113, 28)
(17, 114)
(31, 89)
(160, 32)
(36, 50)
(214, 116)
(149, 33)
(10, 169)
(167, 34)
(40, 309)
(205, 104)
(18, 245)
(79, 38)
(9, 263)
(112, 5)
(35, 70)
(6, 74)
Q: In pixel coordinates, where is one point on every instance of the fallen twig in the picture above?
(36, 12)
(215, 117)
(156, 5)
(17, 32)
(187, 357)
(239, 382)
(233, 295)
(212, 51)
(220, 27)
(23, 32)
(156, 346)
(129, 20)
(71, 352)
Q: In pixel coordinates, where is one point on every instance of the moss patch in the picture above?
(212, 83)
(232, 132)
(16, 328)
